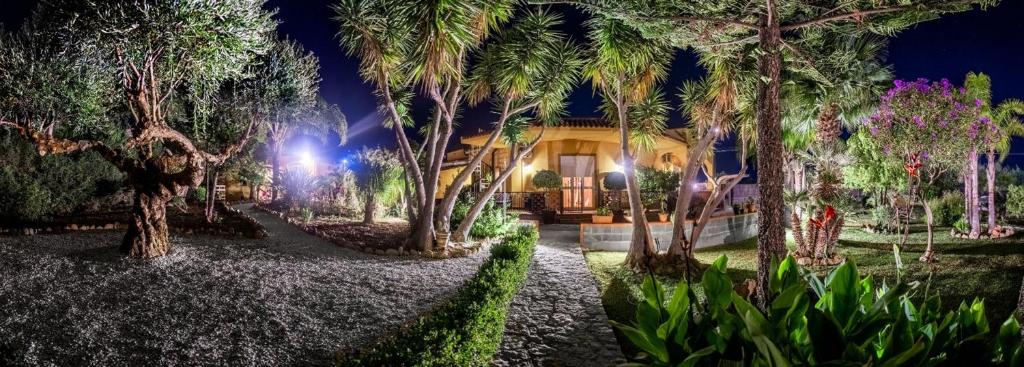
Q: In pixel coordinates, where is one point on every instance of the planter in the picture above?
(440, 241)
(750, 208)
(663, 217)
(601, 219)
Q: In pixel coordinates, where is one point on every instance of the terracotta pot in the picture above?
(601, 219)
(663, 217)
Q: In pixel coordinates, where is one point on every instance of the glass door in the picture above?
(577, 181)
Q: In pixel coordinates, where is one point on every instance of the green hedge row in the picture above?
(467, 330)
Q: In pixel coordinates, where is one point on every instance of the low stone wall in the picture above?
(719, 231)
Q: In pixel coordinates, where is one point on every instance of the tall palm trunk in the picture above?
(990, 170)
(641, 246)
(975, 216)
(771, 240)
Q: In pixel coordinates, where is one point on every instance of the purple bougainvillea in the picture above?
(934, 121)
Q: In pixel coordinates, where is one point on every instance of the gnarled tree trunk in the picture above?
(771, 240)
(211, 194)
(147, 235)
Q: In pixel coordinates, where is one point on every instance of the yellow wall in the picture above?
(446, 179)
(601, 143)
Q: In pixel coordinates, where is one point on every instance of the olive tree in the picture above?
(105, 76)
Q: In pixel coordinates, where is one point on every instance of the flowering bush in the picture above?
(927, 122)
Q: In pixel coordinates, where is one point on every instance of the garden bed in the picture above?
(990, 269)
(230, 222)
(386, 237)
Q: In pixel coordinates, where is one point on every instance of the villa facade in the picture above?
(581, 150)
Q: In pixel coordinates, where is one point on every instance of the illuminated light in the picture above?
(307, 162)
(717, 130)
(616, 167)
(697, 185)
(528, 167)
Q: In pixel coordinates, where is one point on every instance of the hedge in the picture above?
(467, 330)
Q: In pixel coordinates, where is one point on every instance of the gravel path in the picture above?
(291, 299)
(557, 318)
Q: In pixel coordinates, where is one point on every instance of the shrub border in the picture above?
(466, 330)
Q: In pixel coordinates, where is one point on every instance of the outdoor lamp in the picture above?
(307, 162)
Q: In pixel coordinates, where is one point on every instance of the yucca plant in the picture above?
(842, 319)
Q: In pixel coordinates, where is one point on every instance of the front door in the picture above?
(577, 181)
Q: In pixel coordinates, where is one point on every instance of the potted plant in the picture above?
(663, 213)
(550, 182)
(602, 215)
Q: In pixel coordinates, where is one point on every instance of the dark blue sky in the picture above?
(987, 41)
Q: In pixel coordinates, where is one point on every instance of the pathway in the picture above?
(557, 318)
(291, 299)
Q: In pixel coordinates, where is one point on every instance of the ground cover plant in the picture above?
(968, 269)
(467, 330)
(839, 319)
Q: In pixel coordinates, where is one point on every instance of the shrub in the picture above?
(1015, 200)
(614, 181)
(946, 209)
(655, 184)
(467, 330)
(843, 320)
(961, 225)
(32, 187)
(306, 214)
(547, 180)
(492, 222)
(378, 175)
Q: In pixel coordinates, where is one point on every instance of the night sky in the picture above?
(986, 41)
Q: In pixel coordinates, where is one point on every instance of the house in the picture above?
(582, 150)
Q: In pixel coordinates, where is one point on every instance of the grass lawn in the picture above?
(989, 269)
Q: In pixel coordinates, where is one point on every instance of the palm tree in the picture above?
(1005, 118)
(626, 68)
(715, 106)
(840, 90)
(424, 46)
(529, 67)
(378, 177)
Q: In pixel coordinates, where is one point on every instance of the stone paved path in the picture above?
(557, 318)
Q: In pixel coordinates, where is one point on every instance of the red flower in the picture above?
(830, 213)
(913, 165)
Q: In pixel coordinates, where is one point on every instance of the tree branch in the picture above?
(860, 14)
